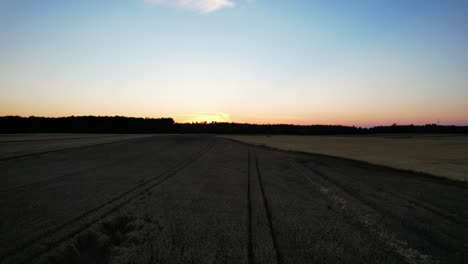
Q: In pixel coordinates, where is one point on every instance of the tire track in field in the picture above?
(249, 214)
(460, 220)
(26, 252)
(436, 209)
(48, 139)
(92, 168)
(263, 243)
(268, 211)
(67, 149)
(410, 255)
(434, 238)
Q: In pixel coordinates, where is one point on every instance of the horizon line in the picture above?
(242, 123)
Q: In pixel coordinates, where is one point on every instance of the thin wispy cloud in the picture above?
(203, 6)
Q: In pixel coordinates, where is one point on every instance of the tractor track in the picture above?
(268, 212)
(432, 238)
(49, 139)
(28, 155)
(250, 259)
(93, 168)
(25, 253)
(432, 208)
(435, 209)
(265, 207)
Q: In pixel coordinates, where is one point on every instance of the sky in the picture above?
(361, 62)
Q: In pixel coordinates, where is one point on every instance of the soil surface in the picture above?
(204, 199)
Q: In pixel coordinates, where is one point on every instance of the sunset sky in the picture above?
(362, 62)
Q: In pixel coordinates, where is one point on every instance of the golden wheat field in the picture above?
(439, 155)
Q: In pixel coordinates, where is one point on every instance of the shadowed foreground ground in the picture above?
(202, 199)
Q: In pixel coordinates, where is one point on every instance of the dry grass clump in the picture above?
(95, 245)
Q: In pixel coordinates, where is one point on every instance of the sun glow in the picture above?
(207, 117)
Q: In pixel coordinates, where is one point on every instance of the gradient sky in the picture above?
(362, 62)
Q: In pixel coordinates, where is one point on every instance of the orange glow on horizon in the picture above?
(359, 119)
(207, 117)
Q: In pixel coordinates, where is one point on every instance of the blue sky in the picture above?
(305, 62)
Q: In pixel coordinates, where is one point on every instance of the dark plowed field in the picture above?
(202, 199)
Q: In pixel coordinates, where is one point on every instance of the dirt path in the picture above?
(201, 199)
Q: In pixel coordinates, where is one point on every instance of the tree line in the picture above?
(85, 124)
(122, 124)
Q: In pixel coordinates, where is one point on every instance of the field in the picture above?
(439, 155)
(19, 145)
(207, 199)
